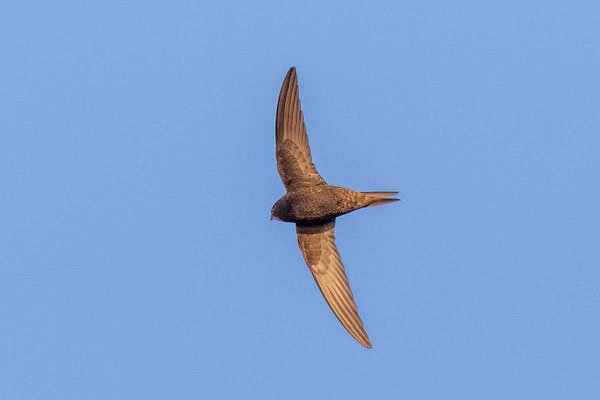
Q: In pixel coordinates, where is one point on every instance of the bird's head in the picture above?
(279, 210)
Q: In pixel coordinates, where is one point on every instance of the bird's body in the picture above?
(321, 203)
(314, 205)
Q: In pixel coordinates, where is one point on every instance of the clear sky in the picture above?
(137, 172)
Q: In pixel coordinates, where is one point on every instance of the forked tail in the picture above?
(380, 198)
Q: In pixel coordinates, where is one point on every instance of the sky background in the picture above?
(137, 172)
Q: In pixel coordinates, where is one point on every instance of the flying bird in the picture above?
(314, 205)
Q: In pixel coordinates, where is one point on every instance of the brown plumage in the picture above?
(313, 205)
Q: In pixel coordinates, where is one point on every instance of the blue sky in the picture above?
(137, 172)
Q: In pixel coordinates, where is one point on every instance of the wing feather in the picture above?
(317, 244)
(294, 161)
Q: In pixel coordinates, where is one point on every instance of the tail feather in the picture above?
(379, 195)
(381, 202)
(380, 198)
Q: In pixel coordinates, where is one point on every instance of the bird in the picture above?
(313, 205)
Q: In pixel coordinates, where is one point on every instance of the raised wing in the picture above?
(317, 244)
(294, 161)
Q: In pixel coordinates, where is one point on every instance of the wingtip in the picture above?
(361, 337)
(365, 341)
(290, 78)
(291, 71)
